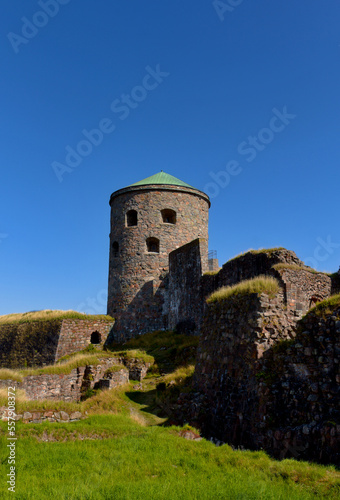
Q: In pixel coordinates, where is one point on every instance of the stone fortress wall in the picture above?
(39, 343)
(110, 372)
(259, 385)
(147, 224)
(264, 377)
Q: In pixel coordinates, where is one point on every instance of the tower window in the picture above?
(115, 249)
(168, 216)
(96, 338)
(152, 245)
(131, 218)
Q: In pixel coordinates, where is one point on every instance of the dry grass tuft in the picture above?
(179, 375)
(261, 284)
(8, 374)
(65, 367)
(47, 315)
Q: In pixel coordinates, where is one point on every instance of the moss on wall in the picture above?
(29, 344)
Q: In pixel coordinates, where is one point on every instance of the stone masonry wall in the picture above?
(138, 294)
(257, 386)
(39, 343)
(68, 387)
(252, 264)
(299, 393)
(235, 334)
(38, 416)
(302, 288)
(75, 335)
(29, 344)
(187, 264)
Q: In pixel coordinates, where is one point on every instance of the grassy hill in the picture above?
(124, 450)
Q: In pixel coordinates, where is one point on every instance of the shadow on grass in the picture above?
(169, 349)
(153, 403)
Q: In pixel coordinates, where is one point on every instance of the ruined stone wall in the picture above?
(39, 343)
(68, 387)
(235, 334)
(299, 393)
(29, 344)
(138, 278)
(38, 416)
(258, 386)
(75, 335)
(109, 373)
(335, 283)
(187, 264)
(302, 288)
(252, 264)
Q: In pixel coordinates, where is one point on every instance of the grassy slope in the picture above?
(122, 452)
(138, 462)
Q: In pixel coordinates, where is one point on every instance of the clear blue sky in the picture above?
(244, 95)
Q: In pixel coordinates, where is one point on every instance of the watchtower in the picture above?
(149, 219)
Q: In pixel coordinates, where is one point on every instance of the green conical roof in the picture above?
(162, 178)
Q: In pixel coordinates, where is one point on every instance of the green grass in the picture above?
(261, 284)
(168, 349)
(63, 367)
(136, 354)
(114, 369)
(326, 307)
(122, 451)
(113, 457)
(47, 315)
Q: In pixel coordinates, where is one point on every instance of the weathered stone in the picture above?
(76, 415)
(138, 283)
(286, 389)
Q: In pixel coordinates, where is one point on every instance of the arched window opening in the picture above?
(152, 245)
(131, 218)
(96, 338)
(168, 216)
(115, 249)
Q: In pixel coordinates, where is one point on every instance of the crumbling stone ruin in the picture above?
(261, 386)
(267, 371)
(108, 373)
(39, 343)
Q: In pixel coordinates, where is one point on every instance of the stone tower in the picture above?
(149, 219)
